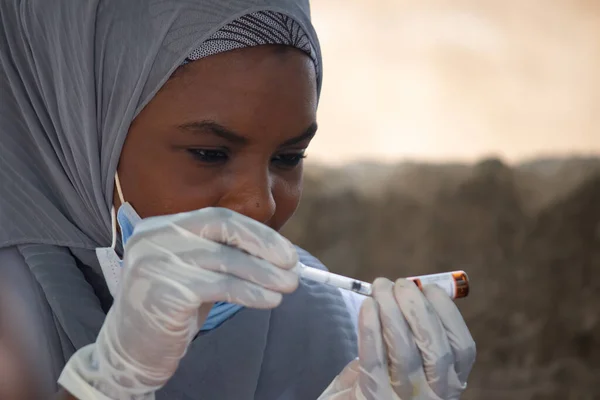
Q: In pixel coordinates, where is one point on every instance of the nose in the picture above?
(251, 195)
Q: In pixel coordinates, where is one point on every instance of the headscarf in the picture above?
(73, 76)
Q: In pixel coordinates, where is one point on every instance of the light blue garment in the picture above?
(221, 311)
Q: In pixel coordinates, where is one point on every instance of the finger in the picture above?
(191, 256)
(232, 261)
(459, 336)
(202, 315)
(373, 380)
(183, 290)
(223, 226)
(247, 294)
(348, 376)
(429, 335)
(341, 386)
(405, 365)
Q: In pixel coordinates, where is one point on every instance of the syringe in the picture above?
(455, 283)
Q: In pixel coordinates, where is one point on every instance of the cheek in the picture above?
(286, 194)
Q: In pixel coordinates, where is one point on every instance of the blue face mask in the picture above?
(111, 265)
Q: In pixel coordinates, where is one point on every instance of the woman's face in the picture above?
(226, 131)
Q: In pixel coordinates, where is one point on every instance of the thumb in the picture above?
(340, 387)
(203, 312)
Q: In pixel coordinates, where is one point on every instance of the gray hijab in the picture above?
(73, 76)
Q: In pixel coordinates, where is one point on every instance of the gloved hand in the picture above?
(175, 268)
(412, 345)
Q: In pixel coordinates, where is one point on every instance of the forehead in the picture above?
(264, 85)
(252, 66)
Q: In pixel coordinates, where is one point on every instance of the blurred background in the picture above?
(466, 135)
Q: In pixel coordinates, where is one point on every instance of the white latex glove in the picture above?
(175, 268)
(412, 345)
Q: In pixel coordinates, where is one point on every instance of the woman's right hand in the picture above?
(175, 268)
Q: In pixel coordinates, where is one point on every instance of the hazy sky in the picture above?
(438, 80)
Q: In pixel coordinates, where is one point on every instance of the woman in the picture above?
(188, 121)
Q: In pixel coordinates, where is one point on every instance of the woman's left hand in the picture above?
(412, 345)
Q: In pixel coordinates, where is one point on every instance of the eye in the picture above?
(209, 156)
(289, 160)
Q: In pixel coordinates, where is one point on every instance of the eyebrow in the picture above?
(214, 128)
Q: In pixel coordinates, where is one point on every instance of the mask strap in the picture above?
(119, 191)
(113, 223)
(113, 213)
